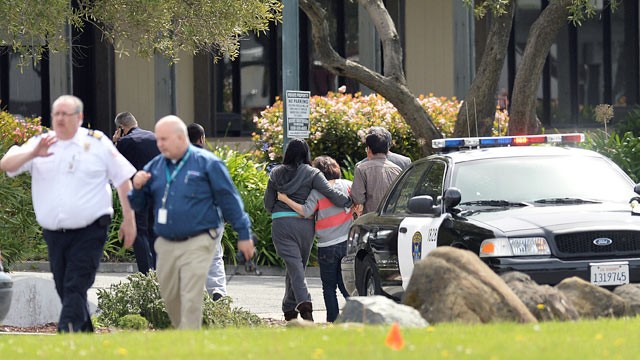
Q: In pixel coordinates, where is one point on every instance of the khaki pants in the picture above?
(182, 272)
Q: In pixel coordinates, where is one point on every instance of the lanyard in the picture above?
(172, 176)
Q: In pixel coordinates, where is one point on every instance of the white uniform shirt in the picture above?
(70, 188)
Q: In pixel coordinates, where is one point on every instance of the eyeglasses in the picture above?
(62, 113)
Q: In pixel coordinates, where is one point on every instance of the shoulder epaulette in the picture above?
(94, 133)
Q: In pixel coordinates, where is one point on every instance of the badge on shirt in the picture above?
(162, 216)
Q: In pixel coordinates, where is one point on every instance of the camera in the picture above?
(249, 265)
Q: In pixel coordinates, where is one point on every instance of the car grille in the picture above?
(582, 244)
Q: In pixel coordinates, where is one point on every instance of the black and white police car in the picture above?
(551, 212)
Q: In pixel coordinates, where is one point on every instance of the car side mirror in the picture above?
(452, 198)
(636, 189)
(422, 204)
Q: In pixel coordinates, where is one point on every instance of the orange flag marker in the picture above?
(394, 338)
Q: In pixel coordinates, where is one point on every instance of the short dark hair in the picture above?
(297, 153)
(126, 119)
(377, 142)
(195, 131)
(328, 166)
(382, 130)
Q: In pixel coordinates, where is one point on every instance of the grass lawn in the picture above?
(602, 339)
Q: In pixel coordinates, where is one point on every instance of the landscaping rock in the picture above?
(543, 301)
(591, 301)
(379, 310)
(630, 293)
(455, 285)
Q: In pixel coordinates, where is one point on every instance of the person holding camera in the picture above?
(139, 147)
(192, 194)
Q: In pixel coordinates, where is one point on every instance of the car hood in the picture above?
(557, 218)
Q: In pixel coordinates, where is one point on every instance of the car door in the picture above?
(418, 233)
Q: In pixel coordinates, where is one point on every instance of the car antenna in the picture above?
(475, 116)
(466, 106)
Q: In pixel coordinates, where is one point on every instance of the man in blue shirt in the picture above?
(192, 194)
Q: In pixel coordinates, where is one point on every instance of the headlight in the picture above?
(514, 247)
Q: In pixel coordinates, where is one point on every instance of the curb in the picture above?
(110, 267)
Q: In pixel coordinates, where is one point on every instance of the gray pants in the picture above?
(293, 239)
(216, 277)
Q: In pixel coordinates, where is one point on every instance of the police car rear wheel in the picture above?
(371, 279)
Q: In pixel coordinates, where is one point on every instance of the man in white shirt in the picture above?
(71, 168)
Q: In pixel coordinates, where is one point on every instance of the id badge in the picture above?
(162, 216)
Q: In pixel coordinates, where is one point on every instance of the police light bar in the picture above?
(507, 141)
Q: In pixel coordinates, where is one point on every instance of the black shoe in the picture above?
(290, 315)
(306, 310)
(216, 296)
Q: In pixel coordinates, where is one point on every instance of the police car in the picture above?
(551, 212)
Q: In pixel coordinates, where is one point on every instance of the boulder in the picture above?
(455, 285)
(631, 293)
(379, 310)
(543, 301)
(591, 301)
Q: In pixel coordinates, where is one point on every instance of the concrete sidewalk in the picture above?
(35, 300)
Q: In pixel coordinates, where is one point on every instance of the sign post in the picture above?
(297, 105)
(290, 58)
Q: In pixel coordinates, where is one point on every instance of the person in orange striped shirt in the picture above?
(332, 227)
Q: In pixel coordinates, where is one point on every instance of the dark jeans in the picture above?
(74, 256)
(143, 246)
(330, 273)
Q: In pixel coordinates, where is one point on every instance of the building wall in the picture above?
(430, 47)
(185, 88)
(136, 91)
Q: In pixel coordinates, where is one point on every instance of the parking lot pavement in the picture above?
(262, 295)
(35, 300)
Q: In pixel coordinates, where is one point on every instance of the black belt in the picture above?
(103, 220)
(180, 239)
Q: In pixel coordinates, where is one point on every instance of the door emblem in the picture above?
(416, 246)
(603, 241)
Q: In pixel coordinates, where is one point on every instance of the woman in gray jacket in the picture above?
(292, 234)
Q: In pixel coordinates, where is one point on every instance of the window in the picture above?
(422, 179)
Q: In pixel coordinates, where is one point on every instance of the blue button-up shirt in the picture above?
(200, 197)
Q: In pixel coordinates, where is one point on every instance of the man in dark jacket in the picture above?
(139, 147)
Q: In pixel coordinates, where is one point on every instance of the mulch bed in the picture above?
(52, 328)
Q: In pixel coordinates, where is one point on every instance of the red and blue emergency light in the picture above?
(523, 140)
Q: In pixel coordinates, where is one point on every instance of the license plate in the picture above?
(603, 274)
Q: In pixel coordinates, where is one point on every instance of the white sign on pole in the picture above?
(297, 105)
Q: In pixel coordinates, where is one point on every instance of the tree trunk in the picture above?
(480, 102)
(523, 119)
(392, 86)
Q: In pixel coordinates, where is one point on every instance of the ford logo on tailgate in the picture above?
(602, 241)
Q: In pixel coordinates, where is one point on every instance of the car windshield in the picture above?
(542, 180)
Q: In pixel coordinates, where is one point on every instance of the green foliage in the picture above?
(27, 26)
(140, 296)
(20, 234)
(171, 26)
(133, 322)
(251, 180)
(338, 125)
(631, 123)
(624, 150)
(31, 27)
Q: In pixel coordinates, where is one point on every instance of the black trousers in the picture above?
(74, 256)
(143, 246)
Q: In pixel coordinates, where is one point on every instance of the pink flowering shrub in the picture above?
(16, 130)
(20, 234)
(338, 123)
